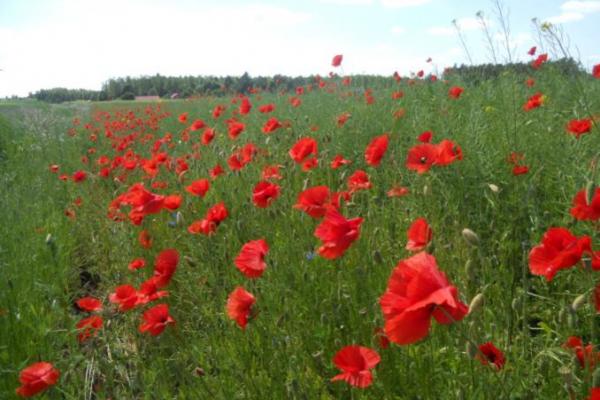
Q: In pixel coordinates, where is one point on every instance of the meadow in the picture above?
(491, 179)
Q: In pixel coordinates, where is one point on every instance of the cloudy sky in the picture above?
(81, 43)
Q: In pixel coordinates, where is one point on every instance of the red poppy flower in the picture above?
(376, 150)
(214, 216)
(384, 342)
(520, 170)
(136, 264)
(266, 108)
(197, 125)
(172, 202)
(251, 260)
(216, 171)
(145, 239)
(419, 235)
(579, 127)
(165, 265)
(490, 354)
(183, 117)
(89, 327)
(309, 164)
(156, 320)
(342, 119)
(338, 161)
(207, 136)
(594, 394)
(447, 153)
(314, 201)
(125, 296)
(582, 210)
(36, 378)
(537, 63)
(54, 168)
(534, 101)
(530, 82)
(235, 128)
(455, 92)
(421, 157)
(217, 111)
(271, 172)
(271, 125)
(264, 193)
(239, 306)
(149, 291)
(79, 176)
(398, 191)
(337, 233)
(560, 249)
(337, 60)
(596, 71)
(198, 187)
(303, 148)
(417, 291)
(586, 355)
(356, 363)
(425, 137)
(359, 180)
(245, 106)
(532, 51)
(295, 102)
(89, 304)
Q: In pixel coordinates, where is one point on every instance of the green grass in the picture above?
(308, 308)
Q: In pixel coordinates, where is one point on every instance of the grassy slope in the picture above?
(309, 308)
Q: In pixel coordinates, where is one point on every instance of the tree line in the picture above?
(186, 86)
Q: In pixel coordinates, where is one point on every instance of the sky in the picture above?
(83, 43)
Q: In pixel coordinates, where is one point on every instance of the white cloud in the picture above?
(581, 6)
(565, 18)
(76, 47)
(573, 11)
(397, 30)
(403, 3)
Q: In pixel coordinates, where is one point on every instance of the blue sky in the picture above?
(80, 43)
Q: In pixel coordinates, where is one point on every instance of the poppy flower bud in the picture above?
(590, 190)
(199, 371)
(470, 237)
(469, 270)
(426, 190)
(476, 303)
(471, 350)
(578, 302)
(494, 188)
(49, 239)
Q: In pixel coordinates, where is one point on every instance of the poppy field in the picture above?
(428, 238)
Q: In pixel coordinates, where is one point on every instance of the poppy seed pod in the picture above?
(470, 237)
(476, 303)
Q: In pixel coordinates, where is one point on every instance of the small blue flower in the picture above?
(310, 255)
